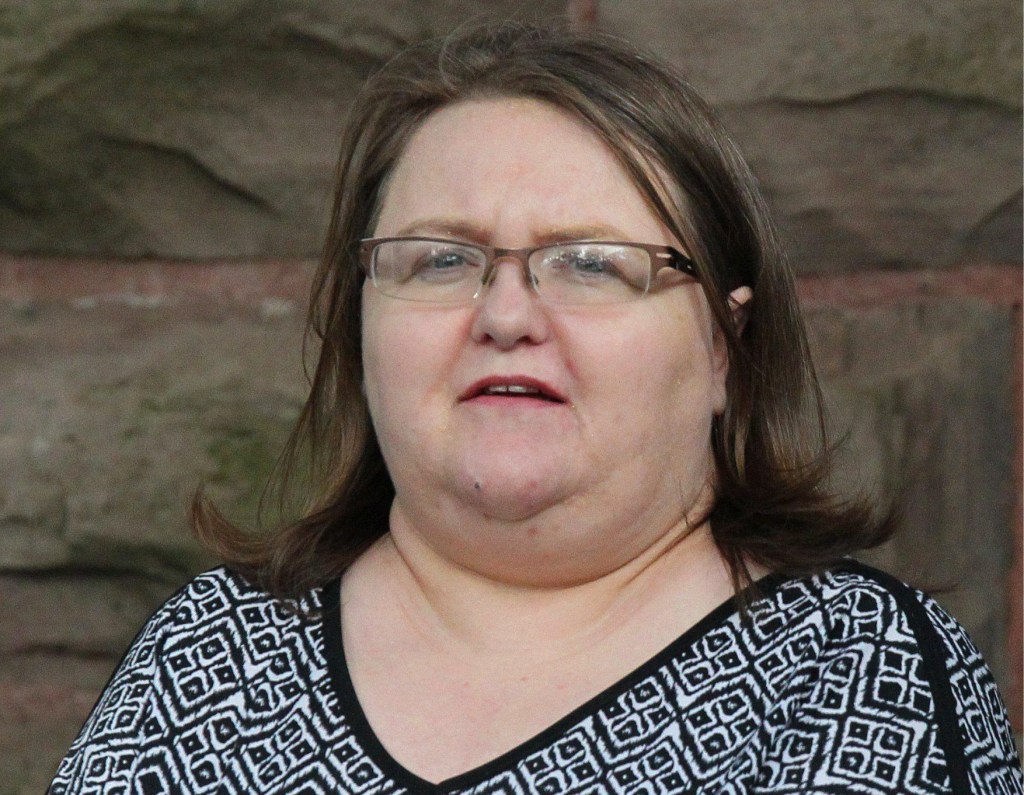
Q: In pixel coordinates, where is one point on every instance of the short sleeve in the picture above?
(101, 758)
(894, 699)
(977, 717)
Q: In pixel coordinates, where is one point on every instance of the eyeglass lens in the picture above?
(446, 272)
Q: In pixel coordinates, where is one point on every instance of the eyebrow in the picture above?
(480, 235)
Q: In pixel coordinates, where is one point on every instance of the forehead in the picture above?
(513, 164)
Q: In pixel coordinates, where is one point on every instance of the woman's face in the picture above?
(624, 450)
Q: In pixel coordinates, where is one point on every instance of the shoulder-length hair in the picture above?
(773, 462)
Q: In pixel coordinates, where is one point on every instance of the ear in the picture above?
(739, 307)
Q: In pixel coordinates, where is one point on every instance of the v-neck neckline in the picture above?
(341, 682)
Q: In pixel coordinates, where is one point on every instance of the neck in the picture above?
(670, 584)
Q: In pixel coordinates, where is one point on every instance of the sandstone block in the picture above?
(888, 180)
(182, 129)
(824, 52)
(884, 134)
(84, 615)
(113, 416)
(44, 699)
(924, 393)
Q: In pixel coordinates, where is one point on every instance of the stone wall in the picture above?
(165, 170)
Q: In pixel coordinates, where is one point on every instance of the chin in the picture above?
(502, 501)
(513, 488)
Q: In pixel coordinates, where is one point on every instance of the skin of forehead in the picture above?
(592, 149)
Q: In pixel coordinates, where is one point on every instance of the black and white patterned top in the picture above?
(846, 682)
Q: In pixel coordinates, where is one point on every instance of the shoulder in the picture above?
(221, 595)
(202, 605)
(887, 664)
(855, 601)
(195, 660)
(221, 616)
(859, 601)
(850, 604)
(912, 637)
(217, 617)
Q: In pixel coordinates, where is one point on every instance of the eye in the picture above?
(597, 264)
(444, 263)
(583, 263)
(442, 260)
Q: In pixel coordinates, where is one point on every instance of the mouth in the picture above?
(512, 388)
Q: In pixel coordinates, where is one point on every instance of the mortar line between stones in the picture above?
(85, 282)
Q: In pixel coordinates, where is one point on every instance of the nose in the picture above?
(509, 311)
(509, 257)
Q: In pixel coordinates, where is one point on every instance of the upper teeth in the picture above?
(514, 389)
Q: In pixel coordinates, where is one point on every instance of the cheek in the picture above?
(646, 386)
(384, 365)
(388, 381)
(390, 400)
(666, 386)
(407, 363)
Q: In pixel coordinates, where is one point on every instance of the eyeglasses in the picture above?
(578, 272)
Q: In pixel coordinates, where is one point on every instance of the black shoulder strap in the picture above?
(933, 658)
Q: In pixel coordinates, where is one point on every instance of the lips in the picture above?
(512, 387)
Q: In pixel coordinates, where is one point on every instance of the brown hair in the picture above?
(773, 462)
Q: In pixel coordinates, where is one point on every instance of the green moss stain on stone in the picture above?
(160, 440)
(237, 437)
(240, 461)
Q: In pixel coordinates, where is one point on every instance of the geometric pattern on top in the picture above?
(844, 682)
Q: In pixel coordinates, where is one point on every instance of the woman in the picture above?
(558, 430)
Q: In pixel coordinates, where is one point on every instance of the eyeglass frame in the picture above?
(671, 258)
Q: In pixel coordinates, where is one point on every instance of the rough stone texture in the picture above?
(188, 129)
(923, 392)
(111, 417)
(44, 698)
(826, 52)
(60, 636)
(85, 614)
(885, 134)
(888, 180)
